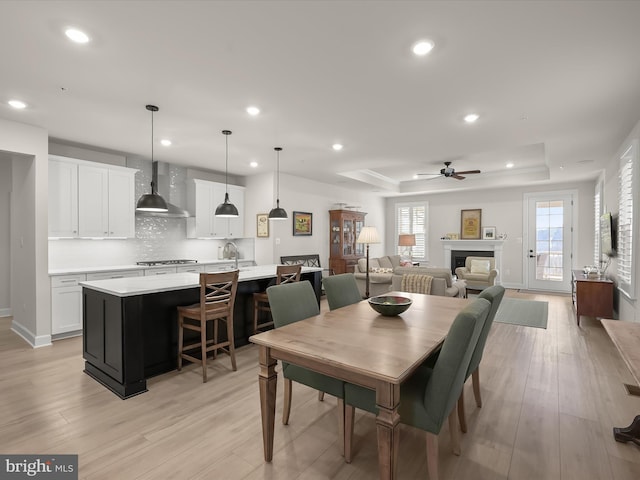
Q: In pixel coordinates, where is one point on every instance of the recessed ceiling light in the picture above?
(253, 111)
(509, 165)
(17, 104)
(253, 164)
(472, 117)
(337, 147)
(76, 35)
(165, 142)
(416, 176)
(422, 47)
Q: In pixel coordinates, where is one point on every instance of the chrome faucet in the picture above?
(235, 251)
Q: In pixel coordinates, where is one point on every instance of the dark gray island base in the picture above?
(130, 337)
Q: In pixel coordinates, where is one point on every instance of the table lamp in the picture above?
(407, 240)
(368, 235)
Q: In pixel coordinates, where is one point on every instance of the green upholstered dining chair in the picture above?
(341, 290)
(292, 302)
(494, 295)
(429, 396)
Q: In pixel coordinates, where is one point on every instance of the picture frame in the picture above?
(488, 233)
(262, 225)
(302, 224)
(470, 221)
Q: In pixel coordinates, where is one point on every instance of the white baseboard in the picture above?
(5, 312)
(30, 338)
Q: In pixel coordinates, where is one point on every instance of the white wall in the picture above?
(30, 293)
(302, 195)
(503, 209)
(5, 234)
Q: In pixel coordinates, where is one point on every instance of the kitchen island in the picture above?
(130, 324)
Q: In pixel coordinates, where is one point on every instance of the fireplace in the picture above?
(466, 248)
(458, 257)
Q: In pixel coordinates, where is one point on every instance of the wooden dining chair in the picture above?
(217, 296)
(284, 274)
(494, 296)
(429, 396)
(341, 290)
(291, 303)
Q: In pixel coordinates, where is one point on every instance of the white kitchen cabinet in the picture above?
(190, 268)
(122, 201)
(66, 305)
(235, 226)
(159, 271)
(89, 199)
(93, 201)
(114, 274)
(63, 198)
(204, 197)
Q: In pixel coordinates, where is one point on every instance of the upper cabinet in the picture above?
(203, 199)
(88, 199)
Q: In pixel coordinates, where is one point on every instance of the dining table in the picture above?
(357, 345)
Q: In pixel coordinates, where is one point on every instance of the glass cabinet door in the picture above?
(359, 247)
(347, 237)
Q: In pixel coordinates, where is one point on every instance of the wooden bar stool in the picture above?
(217, 296)
(284, 274)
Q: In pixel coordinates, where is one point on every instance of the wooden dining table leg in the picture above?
(267, 380)
(388, 429)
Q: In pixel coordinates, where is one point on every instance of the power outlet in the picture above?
(277, 241)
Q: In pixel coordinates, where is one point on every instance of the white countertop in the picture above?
(119, 268)
(127, 287)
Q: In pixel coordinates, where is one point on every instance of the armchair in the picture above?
(478, 272)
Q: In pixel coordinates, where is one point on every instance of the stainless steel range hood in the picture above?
(162, 181)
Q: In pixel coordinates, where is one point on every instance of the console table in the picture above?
(626, 338)
(591, 296)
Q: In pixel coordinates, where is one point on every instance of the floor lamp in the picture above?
(407, 240)
(368, 235)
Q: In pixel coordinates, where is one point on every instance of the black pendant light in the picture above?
(152, 202)
(278, 213)
(226, 209)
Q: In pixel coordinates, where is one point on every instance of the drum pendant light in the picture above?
(152, 202)
(226, 209)
(278, 213)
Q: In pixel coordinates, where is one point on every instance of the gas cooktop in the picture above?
(152, 263)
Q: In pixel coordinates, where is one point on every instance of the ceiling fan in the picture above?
(451, 172)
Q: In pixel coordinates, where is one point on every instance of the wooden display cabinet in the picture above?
(344, 228)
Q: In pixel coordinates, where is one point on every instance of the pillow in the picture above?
(406, 263)
(380, 270)
(480, 266)
(385, 262)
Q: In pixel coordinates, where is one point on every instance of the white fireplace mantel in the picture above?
(494, 246)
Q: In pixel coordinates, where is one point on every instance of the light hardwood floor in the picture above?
(550, 399)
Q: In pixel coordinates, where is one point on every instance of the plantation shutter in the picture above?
(626, 223)
(597, 211)
(412, 218)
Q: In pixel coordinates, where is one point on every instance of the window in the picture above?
(597, 212)
(627, 184)
(412, 218)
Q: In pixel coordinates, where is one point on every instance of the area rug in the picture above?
(529, 313)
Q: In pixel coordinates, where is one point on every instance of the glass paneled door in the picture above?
(549, 242)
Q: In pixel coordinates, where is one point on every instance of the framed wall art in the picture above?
(262, 225)
(470, 221)
(488, 233)
(302, 223)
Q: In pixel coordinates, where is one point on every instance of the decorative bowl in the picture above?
(389, 305)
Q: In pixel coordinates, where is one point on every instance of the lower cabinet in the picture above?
(66, 305)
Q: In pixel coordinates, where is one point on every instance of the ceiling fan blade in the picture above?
(468, 171)
(457, 177)
(435, 174)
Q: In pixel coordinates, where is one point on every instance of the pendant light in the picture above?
(152, 202)
(278, 213)
(226, 209)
